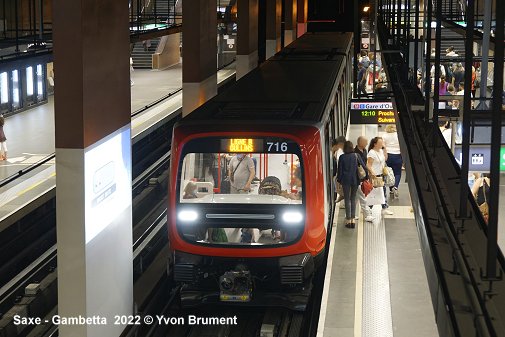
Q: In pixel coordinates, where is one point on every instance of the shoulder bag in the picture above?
(366, 187)
(387, 174)
(226, 183)
(361, 170)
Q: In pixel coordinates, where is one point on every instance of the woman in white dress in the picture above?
(376, 161)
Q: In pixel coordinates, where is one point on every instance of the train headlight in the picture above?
(292, 217)
(187, 215)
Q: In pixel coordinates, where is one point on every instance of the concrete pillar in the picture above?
(247, 36)
(273, 27)
(93, 163)
(302, 16)
(290, 21)
(199, 53)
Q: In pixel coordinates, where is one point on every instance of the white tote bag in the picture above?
(376, 197)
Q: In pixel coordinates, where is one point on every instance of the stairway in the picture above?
(163, 8)
(142, 59)
(449, 38)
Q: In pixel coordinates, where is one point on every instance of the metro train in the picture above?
(251, 198)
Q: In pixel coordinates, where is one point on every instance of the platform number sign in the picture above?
(477, 159)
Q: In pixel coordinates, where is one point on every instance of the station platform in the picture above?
(375, 284)
(30, 137)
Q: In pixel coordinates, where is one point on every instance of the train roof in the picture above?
(294, 84)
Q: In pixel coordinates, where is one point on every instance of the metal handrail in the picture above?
(458, 251)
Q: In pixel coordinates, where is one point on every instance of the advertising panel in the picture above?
(107, 181)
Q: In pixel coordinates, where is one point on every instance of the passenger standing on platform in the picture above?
(348, 177)
(442, 90)
(376, 161)
(361, 151)
(474, 77)
(3, 140)
(337, 149)
(361, 79)
(241, 172)
(364, 59)
(451, 90)
(394, 157)
(459, 75)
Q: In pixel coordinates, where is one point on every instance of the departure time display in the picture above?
(369, 112)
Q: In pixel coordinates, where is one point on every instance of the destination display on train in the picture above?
(371, 112)
(241, 145)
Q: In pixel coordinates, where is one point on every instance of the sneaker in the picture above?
(387, 211)
(395, 193)
(369, 218)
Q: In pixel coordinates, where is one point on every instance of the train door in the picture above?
(328, 163)
(332, 123)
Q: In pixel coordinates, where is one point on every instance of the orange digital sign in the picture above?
(241, 145)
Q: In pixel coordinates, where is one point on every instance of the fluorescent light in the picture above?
(29, 81)
(4, 88)
(187, 215)
(292, 217)
(366, 8)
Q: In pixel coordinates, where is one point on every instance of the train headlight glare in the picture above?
(187, 215)
(292, 217)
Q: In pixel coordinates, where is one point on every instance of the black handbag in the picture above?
(226, 186)
(226, 183)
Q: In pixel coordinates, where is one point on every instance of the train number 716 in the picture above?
(277, 147)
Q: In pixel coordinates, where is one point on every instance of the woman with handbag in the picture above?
(376, 162)
(480, 191)
(351, 169)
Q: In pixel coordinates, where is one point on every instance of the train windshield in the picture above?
(233, 180)
(264, 172)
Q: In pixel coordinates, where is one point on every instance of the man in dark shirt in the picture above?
(361, 79)
(458, 74)
(360, 149)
